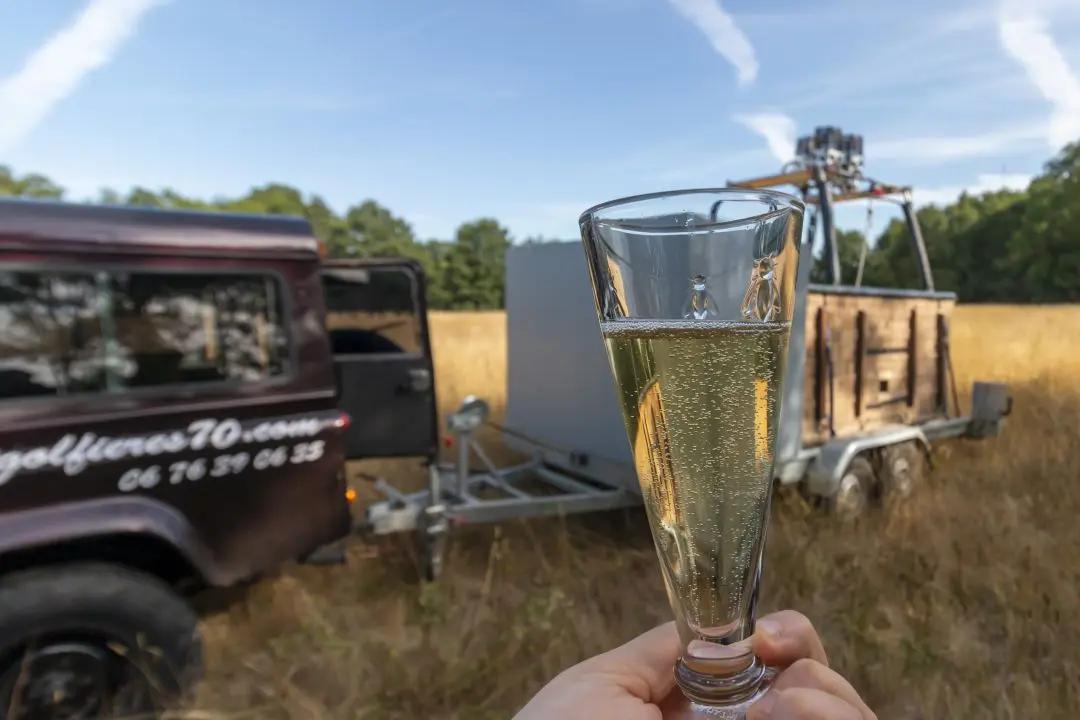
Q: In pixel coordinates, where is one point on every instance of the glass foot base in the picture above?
(736, 709)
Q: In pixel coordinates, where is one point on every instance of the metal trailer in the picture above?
(562, 411)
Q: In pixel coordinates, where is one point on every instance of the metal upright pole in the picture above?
(919, 245)
(828, 228)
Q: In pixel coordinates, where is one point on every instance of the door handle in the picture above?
(419, 380)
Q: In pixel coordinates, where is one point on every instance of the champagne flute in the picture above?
(695, 292)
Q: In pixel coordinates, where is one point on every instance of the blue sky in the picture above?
(527, 110)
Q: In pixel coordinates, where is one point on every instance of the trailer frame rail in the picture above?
(459, 495)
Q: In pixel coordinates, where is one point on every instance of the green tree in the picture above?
(436, 263)
(848, 245)
(144, 198)
(475, 265)
(963, 241)
(1044, 250)
(371, 230)
(996, 247)
(29, 186)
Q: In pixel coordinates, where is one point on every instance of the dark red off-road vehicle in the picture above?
(179, 393)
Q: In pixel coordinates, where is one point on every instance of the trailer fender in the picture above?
(824, 474)
(991, 403)
(30, 530)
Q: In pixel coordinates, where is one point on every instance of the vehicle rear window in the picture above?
(372, 311)
(78, 332)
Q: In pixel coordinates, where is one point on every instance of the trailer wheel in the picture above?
(903, 469)
(857, 487)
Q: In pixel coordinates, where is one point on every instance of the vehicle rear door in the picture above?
(376, 317)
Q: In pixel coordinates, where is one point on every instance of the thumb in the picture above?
(786, 636)
(648, 660)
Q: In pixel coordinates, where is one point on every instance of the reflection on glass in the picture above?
(67, 333)
(184, 328)
(51, 342)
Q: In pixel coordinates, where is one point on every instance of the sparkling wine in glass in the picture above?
(695, 292)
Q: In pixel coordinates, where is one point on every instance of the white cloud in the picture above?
(55, 69)
(723, 34)
(932, 150)
(1023, 33)
(778, 131)
(983, 184)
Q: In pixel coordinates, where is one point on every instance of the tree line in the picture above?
(1006, 246)
(1002, 247)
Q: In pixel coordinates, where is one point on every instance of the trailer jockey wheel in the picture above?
(903, 469)
(433, 551)
(433, 541)
(857, 487)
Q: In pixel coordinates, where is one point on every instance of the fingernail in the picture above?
(770, 628)
(763, 708)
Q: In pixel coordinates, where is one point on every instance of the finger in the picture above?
(676, 706)
(803, 704)
(786, 636)
(812, 674)
(649, 659)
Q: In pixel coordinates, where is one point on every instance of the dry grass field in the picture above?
(963, 603)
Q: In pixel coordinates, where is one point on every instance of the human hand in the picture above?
(636, 681)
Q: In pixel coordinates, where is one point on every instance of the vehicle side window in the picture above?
(67, 333)
(372, 311)
(183, 328)
(51, 341)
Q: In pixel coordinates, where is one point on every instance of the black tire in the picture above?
(903, 470)
(857, 490)
(95, 639)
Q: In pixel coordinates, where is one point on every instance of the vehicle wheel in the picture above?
(857, 487)
(903, 469)
(93, 640)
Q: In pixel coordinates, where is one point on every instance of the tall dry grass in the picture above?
(963, 603)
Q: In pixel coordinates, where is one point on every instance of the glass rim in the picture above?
(784, 202)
